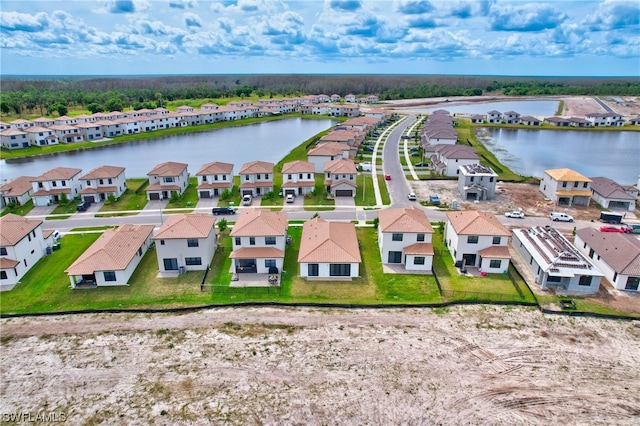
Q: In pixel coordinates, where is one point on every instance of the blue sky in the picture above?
(547, 38)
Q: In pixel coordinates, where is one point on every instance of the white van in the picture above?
(246, 200)
(560, 217)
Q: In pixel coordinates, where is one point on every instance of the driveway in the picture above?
(42, 211)
(207, 203)
(345, 201)
(297, 202)
(156, 205)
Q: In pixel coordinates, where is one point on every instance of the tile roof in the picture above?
(256, 167)
(13, 228)
(566, 175)
(260, 222)
(215, 168)
(168, 168)
(419, 248)
(495, 252)
(112, 251)
(340, 166)
(328, 242)
(257, 252)
(6, 263)
(57, 174)
(160, 187)
(298, 167)
(191, 225)
(103, 172)
(472, 222)
(410, 219)
(329, 148)
(17, 186)
(609, 189)
(620, 251)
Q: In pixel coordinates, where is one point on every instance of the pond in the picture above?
(612, 154)
(534, 108)
(267, 141)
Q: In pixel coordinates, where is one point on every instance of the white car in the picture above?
(290, 198)
(412, 196)
(366, 167)
(516, 214)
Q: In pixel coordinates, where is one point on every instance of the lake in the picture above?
(268, 141)
(613, 154)
(534, 108)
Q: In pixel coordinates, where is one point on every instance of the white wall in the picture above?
(22, 253)
(323, 270)
(178, 248)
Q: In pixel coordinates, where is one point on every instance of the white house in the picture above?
(17, 191)
(611, 195)
(259, 239)
(91, 131)
(605, 119)
(340, 177)
(166, 179)
(13, 138)
(447, 159)
(256, 178)
(477, 182)
(112, 258)
(101, 182)
(511, 117)
(22, 244)
(186, 242)
(49, 187)
(555, 262)
(477, 239)
(616, 255)
(327, 151)
(566, 187)
(404, 237)
(494, 116)
(41, 136)
(298, 177)
(214, 178)
(329, 250)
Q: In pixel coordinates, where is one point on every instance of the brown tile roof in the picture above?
(298, 167)
(299, 184)
(215, 168)
(6, 263)
(410, 219)
(168, 168)
(43, 192)
(339, 136)
(265, 184)
(257, 252)
(92, 190)
(473, 222)
(339, 166)
(256, 167)
(259, 222)
(112, 251)
(13, 228)
(329, 148)
(191, 225)
(160, 187)
(17, 186)
(609, 189)
(566, 175)
(495, 252)
(57, 174)
(217, 184)
(103, 172)
(620, 251)
(325, 242)
(420, 248)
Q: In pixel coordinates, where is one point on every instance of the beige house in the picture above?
(259, 240)
(329, 250)
(214, 178)
(17, 191)
(112, 258)
(256, 178)
(167, 179)
(404, 238)
(298, 178)
(566, 187)
(327, 151)
(101, 182)
(340, 177)
(49, 186)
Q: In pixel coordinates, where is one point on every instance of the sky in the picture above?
(455, 37)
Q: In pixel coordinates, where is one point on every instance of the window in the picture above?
(496, 240)
(191, 261)
(615, 276)
(339, 270)
(140, 251)
(110, 181)
(591, 252)
(472, 239)
(224, 177)
(3, 251)
(552, 279)
(54, 183)
(491, 179)
(312, 269)
(632, 283)
(420, 237)
(268, 263)
(192, 242)
(575, 184)
(585, 280)
(564, 184)
(495, 263)
(88, 183)
(238, 241)
(472, 179)
(63, 183)
(266, 176)
(161, 242)
(396, 237)
(246, 177)
(101, 181)
(270, 241)
(109, 276)
(585, 185)
(167, 179)
(3, 275)
(308, 175)
(252, 241)
(418, 260)
(395, 257)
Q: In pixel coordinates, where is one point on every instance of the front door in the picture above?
(395, 257)
(469, 259)
(170, 264)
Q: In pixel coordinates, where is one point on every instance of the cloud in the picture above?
(421, 22)
(349, 6)
(613, 15)
(14, 21)
(285, 29)
(122, 6)
(183, 4)
(525, 17)
(414, 7)
(192, 20)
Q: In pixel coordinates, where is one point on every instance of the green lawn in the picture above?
(134, 198)
(188, 199)
(65, 207)
(19, 210)
(319, 196)
(365, 195)
(583, 304)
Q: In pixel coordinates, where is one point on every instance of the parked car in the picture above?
(613, 218)
(56, 235)
(246, 200)
(387, 177)
(621, 229)
(421, 164)
(365, 167)
(368, 149)
(415, 154)
(83, 206)
(434, 199)
(414, 149)
(290, 198)
(223, 210)
(516, 214)
(412, 196)
(560, 217)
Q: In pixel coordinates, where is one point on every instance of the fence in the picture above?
(225, 289)
(479, 296)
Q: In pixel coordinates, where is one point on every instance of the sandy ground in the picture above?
(464, 365)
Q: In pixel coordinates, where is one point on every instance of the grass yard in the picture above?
(19, 210)
(188, 199)
(365, 195)
(582, 305)
(384, 194)
(318, 197)
(134, 198)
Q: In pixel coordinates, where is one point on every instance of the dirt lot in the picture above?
(464, 365)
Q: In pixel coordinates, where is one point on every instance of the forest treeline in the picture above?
(45, 95)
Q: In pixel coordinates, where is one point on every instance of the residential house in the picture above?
(167, 179)
(329, 250)
(605, 119)
(616, 255)
(49, 187)
(511, 117)
(298, 178)
(447, 159)
(327, 151)
(41, 136)
(372, 99)
(22, 244)
(528, 120)
(476, 118)
(186, 242)
(92, 131)
(214, 178)
(66, 133)
(335, 98)
(17, 191)
(477, 182)
(256, 178)
(350, 98)
(404, 237)
(477, 239)
(102, 182)
(494, 116)
(259, 238)
(554, 262)
(612, 195)
(558, 121)
(13, 138)
(566, 187)
(344, 110)
(112, 258)
(340, 177)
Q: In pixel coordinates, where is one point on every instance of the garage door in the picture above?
(205, 194)
(289, 191)
(344, 193)
(90, 198)
(247, 192)
(154, 196)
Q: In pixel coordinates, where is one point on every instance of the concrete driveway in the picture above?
(41, 211)
(298, 201)
(345, 201)
(156, 205)
(207, 203)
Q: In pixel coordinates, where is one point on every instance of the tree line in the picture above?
(46, 95)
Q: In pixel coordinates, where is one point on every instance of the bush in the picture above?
(175, 197)
(226, 194)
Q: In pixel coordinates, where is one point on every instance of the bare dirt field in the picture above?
(463, 365)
